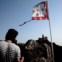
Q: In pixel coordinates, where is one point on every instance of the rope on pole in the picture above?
(25, 23)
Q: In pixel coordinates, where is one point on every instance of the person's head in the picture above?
(11, 35)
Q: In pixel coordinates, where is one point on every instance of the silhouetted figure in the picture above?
(11, 35)
(9, 51)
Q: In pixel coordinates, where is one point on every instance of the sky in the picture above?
(15, 12)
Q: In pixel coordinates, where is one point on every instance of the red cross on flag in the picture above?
(40, 11)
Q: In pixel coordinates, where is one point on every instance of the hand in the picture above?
(22, 59)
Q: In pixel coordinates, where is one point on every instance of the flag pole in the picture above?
(51, 42)
(51, 39)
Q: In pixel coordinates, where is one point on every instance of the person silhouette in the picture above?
(11, 35)
(9, 50)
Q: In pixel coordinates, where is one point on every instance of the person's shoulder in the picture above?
(3, 41)
(17, 46)
(3, 44)
(14, 45)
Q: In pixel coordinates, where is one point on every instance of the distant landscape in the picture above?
(40, 51)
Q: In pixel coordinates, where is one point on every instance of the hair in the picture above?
(11, 35)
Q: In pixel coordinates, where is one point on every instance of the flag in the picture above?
(40, 11)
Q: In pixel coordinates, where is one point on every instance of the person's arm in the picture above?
(22, 59)
(19, 58)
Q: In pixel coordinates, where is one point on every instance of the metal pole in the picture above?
(51, 42)
(51, 39)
